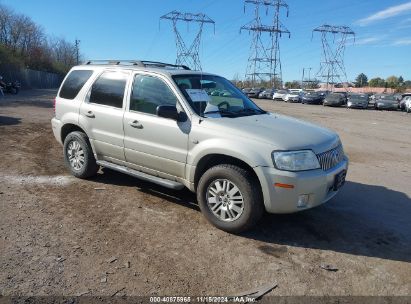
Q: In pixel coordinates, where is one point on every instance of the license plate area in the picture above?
(339, 180)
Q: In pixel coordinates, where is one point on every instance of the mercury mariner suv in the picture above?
(178, 128)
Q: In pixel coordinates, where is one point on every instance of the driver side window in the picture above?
(148, 93)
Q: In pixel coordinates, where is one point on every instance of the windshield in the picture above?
(215, 96)
(359, 97)
(334, 97)
(311, 94)
(388, 97)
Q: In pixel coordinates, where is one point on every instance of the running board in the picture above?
(141, 175)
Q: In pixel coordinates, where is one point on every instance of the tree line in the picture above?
(392, 82)
(23, 43)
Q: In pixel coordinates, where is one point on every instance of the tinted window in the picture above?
(150, 92)
(74, 82)
(109, 89)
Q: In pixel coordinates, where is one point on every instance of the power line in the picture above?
(333, 41)
(264, 62)
(188, 56)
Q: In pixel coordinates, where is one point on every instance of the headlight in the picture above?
(295, 160)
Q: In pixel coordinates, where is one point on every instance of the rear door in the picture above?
(101, 114)
(154, 144)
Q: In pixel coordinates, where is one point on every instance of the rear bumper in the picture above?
(56, 126)
(317, 184)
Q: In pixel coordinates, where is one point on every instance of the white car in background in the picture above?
(280, 94)
(292, 97)
(408, 104)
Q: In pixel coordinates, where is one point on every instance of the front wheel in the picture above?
(230, 198)
(78, 155)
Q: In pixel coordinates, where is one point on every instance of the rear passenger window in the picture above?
(109, 89)
(150, 92)
(73, 83)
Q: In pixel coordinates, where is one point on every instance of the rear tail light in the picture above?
(54, 106)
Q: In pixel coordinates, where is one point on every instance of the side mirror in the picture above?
(167, 112)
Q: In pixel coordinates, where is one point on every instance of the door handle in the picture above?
(90, 114)
(136, 124)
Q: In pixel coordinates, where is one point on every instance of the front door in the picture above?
(154, 144)
(101, 115)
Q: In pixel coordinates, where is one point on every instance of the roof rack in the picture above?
(139, 63)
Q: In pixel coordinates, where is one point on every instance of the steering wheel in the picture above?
(223, 103)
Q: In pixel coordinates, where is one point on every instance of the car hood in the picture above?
(311, 97)
(282, 132)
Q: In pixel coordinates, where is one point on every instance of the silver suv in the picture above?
(180, 128)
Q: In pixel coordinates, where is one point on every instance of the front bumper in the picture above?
(357, 105)
(317, 184)
(383, 106)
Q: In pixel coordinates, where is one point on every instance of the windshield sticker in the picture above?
(198, 95)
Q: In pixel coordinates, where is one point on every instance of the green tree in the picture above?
(361, 80)
(376, 82)
(292, 85)
(400, 80)
(392, 82)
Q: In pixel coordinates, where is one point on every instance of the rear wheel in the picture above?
(230, 198)
(78, 155)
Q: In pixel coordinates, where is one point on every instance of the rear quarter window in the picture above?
(74, 82)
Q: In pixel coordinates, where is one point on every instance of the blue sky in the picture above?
(131, 29)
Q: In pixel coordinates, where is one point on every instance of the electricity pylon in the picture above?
(333, 41)
(264, 63)
(188, 56)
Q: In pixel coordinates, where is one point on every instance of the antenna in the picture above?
(188, 56)
(264, 63)
(333, 41)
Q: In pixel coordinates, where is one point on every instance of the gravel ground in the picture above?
(116, 235)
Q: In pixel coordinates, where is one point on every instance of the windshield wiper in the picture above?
(251, 110)
(220, 111)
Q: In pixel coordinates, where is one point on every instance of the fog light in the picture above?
(303, 200)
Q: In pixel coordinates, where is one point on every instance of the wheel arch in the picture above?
(210, 160)
(68, 128)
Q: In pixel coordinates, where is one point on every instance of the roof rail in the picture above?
(140, 63)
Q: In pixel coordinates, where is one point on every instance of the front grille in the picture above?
(331, 158)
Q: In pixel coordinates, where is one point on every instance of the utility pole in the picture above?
(264, 63)
(188, 56)
(333, 40)
(77, 46)
(303, 80)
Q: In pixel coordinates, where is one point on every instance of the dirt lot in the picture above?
(117, 235)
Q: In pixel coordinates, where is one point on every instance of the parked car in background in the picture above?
(323, 94)
(246, 90)
(408, 104)
(254, 92)
(358, 101)
(267, 94)
(334, 100)
(312, 98)
(280, 94)
(402, 102)
(292, 97)
(386, 102)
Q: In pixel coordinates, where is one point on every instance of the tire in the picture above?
(76, 143)
(248, 189)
